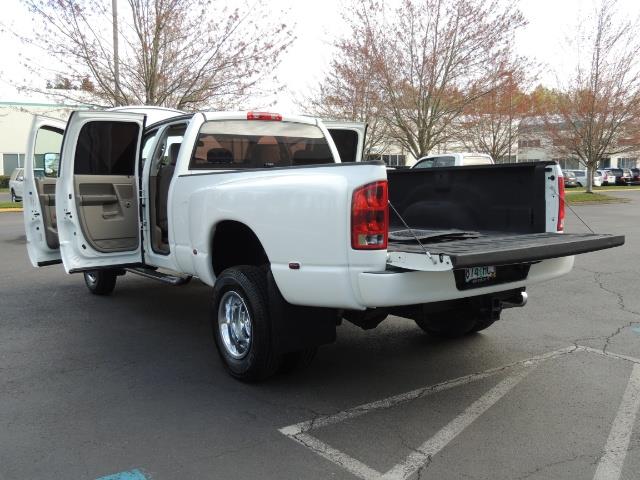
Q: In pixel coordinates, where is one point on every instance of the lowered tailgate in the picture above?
(500, 249)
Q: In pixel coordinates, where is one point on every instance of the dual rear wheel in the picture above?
(242, 326)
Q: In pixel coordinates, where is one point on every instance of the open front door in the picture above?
(40, 176)
(349, 139)
(97, 200)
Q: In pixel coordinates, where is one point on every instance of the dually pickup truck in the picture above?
(290, 229)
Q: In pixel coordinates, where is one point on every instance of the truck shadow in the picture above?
(169, 328)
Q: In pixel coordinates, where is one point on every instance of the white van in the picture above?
(454, 160)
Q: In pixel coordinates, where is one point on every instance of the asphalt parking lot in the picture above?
(130, 386)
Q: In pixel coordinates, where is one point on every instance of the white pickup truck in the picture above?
(260, 207)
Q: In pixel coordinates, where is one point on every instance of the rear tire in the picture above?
(14, 199)
(454, 323)
(242, 325)
(100, 282)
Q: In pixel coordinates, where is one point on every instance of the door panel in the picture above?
(97, 199)
(108, 208)
(39, 186)
(46, 188)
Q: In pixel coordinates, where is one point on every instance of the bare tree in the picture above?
(351, 89)
(490, 124)
(175, 53)
(596, 114)
(435, 58)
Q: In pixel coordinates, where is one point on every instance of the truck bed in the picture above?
(498, 248)
(485, 215)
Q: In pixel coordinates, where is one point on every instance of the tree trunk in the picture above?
(589, 185)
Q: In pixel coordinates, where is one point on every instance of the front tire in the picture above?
(242, 325)
(100, 282)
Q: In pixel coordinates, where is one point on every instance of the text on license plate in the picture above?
(479, 274)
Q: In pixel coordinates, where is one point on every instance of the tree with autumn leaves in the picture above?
(596, 113)
(436, 72)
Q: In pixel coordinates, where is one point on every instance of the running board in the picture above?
(174, 280)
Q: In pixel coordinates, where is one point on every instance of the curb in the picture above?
(2, 210)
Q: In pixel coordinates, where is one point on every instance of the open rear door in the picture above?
(40, 176)
(97, 199)
(349, 139)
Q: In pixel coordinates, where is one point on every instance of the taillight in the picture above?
(370, 217)
(264, 116)
(560, 203)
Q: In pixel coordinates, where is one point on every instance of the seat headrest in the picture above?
(219, 155)
(305, 157)
(265, 153)
(173, 153)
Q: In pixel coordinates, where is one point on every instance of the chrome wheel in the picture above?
(91, 278)
(234, 322)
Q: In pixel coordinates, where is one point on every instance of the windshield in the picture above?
(258, 144)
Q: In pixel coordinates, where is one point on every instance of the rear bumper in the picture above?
(389, 288)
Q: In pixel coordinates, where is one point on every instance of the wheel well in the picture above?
(235, 244)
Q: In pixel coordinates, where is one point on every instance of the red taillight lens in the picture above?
(264, 116)
(560, 203)
(370, 217)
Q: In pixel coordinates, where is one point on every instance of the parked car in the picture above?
(581, 178)
(635, 175)
(454, 160)
(608, 178)
(291, 240)
(623, 175)
(16, 182)
(570, 179)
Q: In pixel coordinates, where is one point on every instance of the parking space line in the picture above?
(425, 452)
(615, 450)
(605, 353)
(299, 431)
(356, 467)
(354, 412)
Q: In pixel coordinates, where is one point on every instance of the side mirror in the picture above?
(51, 164)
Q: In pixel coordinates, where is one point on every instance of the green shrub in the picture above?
(4, 181)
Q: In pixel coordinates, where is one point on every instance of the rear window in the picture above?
(477, 160)
(616, 171)
(231, 144)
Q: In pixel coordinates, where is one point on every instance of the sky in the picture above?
(319, 22)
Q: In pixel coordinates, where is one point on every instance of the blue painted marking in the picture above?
(130, 475)
(636, 329)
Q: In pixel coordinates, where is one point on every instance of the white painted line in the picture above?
(615, 450)
(298, 431)
(308, 425)
(603, 353)
(425, 452)
(356, 467)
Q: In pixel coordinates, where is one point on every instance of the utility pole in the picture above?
(116, 60)
(510, 114)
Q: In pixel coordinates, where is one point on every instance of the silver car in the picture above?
(581, 178)
(16, 184)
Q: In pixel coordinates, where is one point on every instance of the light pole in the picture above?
(116, 60)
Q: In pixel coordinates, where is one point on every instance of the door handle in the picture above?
(98, 199)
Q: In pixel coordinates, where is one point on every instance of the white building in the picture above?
(15, 124)
(535, 144)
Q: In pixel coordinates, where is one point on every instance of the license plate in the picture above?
(479, 274)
